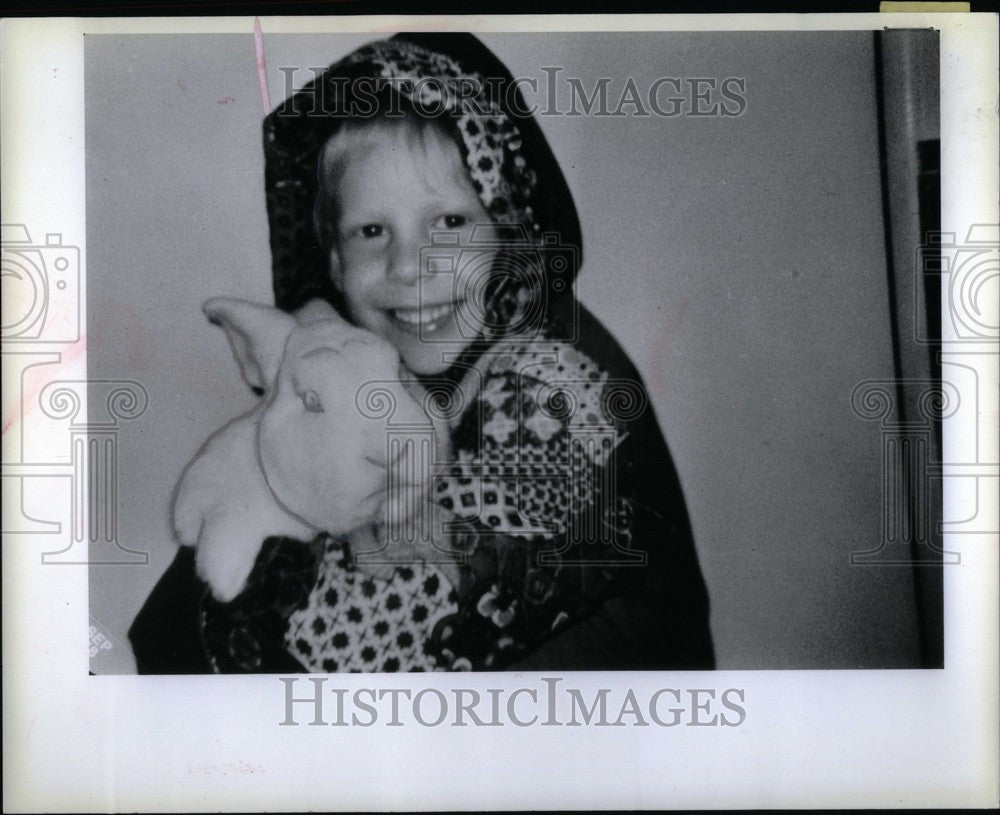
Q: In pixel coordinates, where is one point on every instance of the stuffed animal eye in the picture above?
(310, 399)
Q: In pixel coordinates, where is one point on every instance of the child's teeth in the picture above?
(426, 316)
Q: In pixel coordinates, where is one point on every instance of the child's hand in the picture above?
(409, 522)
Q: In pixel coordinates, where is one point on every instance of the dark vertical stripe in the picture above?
(883, 160)
(905, 494)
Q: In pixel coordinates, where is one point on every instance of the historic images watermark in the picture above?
(550, 94)
(42, 310)
(498, 264)
(311, 701)
(965, 273)
(41, 288)
(909, 515)
(501, 283)
(970, 272)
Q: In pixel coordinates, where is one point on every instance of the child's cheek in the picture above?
(478, 283)
(356, 288)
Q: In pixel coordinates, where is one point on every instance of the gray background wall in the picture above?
(740, 261)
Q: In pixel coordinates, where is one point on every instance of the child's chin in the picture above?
(425, 364)
(431, 358)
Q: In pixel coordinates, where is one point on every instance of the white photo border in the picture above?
(917, 738)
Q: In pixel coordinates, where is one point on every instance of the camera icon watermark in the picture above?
(970, 271)
(501, 283)
(41, 288)
(60, 460)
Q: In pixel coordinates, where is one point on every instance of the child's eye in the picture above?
(454, 221)
(371, 231)
(310, 400)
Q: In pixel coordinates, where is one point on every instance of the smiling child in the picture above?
(572, 542)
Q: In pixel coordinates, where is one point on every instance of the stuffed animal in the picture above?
(312, 455)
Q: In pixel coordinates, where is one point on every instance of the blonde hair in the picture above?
(419, 134)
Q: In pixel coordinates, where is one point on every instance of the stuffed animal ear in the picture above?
(256, 334)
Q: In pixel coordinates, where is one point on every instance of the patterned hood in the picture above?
(453, 76)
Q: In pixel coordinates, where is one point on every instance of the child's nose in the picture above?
(404, 265)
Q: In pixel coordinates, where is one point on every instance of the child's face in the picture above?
(389, 196)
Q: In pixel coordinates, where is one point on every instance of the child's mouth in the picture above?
(423, 320)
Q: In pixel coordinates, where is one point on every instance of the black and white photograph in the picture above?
(642, 293)
(643, 377)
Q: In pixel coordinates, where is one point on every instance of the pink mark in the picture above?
(35, 381)
(258, 48)
(226, 101)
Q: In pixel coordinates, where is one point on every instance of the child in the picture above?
(574, 548)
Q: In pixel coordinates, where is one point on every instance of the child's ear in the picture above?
(336, 273)
(256, 335)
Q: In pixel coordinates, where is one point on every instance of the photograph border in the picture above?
(804, 738)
